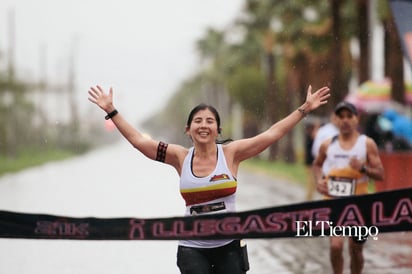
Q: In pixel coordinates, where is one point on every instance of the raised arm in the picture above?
(147, 146)
(105, 101)
(250, 147)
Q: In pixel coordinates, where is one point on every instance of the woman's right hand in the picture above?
(102, 99)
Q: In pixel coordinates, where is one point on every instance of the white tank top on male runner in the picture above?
(219, 186)
(338, 158)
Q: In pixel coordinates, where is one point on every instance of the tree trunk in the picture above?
(272, 104)
(394, 60)
(338, 86)
(292, 87)
(363, 36)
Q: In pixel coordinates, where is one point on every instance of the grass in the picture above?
(31, 157)
(294, 173)
(290, 172)
(35, 157)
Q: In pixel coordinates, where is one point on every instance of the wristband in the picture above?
(111, 114)
(302, 111)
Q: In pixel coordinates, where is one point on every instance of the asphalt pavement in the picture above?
(390, 253)
(116, 181)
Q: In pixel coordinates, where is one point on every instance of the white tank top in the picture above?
(337, 158)
(218, 186)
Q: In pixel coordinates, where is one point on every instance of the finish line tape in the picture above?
(389, 211)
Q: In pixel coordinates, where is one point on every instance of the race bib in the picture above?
(341, 186)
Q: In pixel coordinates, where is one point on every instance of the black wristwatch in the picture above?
(111, 114)
(363, 169)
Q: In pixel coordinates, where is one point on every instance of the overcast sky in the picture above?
(144, 49)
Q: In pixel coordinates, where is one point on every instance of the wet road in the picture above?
(119, 182)
(390, 254)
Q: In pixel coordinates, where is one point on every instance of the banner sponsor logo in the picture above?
(62, 228)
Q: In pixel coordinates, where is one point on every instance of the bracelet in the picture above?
(111, 114)
(302, 111)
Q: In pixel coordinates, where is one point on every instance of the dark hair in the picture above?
(204, 106)
(346, 105)
(200, 107)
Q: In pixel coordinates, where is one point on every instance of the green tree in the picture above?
(280, 48)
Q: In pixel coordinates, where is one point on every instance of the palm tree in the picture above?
(362, 7)
(393, 55)
(258, 26)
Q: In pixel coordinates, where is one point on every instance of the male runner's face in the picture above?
(347, 121)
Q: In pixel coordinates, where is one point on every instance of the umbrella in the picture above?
(375, 96)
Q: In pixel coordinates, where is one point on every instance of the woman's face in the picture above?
(203, 128)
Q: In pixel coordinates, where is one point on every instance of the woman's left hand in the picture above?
(318, 98)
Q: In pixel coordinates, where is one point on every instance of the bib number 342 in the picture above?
(341, 186)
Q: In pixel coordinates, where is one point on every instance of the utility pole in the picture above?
(12, 46)
(10, 125)
(74, 117)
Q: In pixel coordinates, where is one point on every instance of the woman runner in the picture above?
(208, 172)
